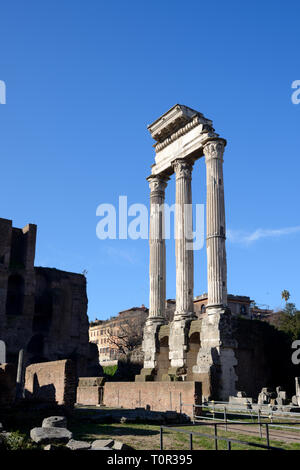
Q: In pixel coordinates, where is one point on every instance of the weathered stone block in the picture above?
(50, 435)
(55, 422)
(78, 445)
(101, 443)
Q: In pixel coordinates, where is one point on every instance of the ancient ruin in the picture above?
(218, 349)
(43, 311)
(182, 136)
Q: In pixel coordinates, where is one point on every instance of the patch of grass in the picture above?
(110, 370)
(146, 436)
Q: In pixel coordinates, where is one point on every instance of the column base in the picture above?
(217, 309)
(189, 316)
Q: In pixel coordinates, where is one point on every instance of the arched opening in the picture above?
(162, 357)
(15, 295)
(194, 346)
(203, 309)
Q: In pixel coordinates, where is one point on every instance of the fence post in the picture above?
(191, 441)
(229, 445)
(161, 439)
(180, 403)
(259, 422)
(225, 418)
(213, 403)
(267, 435)
(216, 433)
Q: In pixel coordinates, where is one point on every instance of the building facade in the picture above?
(119, 334)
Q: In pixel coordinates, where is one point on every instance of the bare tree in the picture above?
(127, 335)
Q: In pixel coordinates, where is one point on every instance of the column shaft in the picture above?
(215, 224)
(157, 262)
(183, 242)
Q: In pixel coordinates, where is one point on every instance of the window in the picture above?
(243, 310)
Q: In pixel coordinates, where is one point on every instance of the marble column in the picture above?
(184, 313)
(157, 272)
(157, 262)
(183, 242)
(215, 225)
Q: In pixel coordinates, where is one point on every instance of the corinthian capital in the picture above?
(157, 184)
(214, 149)
(182, 168)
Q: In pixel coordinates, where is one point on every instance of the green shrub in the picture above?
(110, 370)
(17, 441)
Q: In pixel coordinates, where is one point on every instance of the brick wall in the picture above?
(51, 382)
(90, 390)
(7, 384)
(158, 396)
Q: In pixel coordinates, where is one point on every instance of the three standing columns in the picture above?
(215, 226)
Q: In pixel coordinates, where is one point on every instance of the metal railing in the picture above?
(227, 411)
(217, 438)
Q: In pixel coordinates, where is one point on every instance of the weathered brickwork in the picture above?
(90, 391)
(262, 357)
(51, 382)
(156, 396)
(42, 310)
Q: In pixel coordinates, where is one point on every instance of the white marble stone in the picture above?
(215, 222)
(157, 269)
(2, 352)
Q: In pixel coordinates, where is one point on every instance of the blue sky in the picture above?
(83, 81)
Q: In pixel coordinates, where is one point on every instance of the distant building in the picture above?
(238, 304)
(106, 333)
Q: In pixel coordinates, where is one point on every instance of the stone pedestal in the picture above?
(216, 359)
